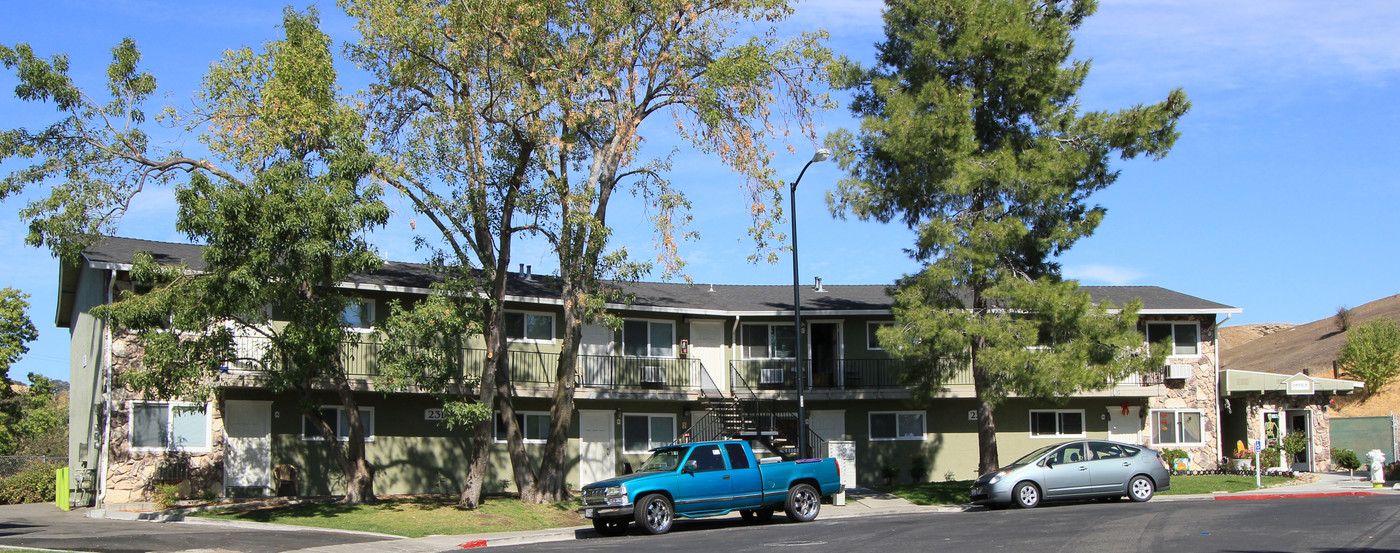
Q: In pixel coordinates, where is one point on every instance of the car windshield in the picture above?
(1032, 456)
(664, 460)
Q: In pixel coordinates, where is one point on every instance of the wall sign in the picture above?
(433, 414)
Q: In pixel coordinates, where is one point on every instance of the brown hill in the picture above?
(1239, 335)
(1308, 348)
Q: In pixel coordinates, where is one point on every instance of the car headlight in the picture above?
(615, 495)
(998, 476)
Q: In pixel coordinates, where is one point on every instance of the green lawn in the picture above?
(956, 492)
(417, 517)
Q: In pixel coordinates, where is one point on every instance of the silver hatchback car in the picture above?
(1075, 470)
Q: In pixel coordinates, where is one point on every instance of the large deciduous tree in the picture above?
(1372, 353)
(283, 220)
(972, 134)
(514, 118)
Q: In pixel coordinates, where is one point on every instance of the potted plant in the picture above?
(1242, 459)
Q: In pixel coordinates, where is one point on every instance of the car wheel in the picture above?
(1141, 488)
(756, 515)
(803, 503)
(1026, 495)
(610, 526)
(654, 514)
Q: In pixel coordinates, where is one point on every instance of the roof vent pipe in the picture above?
(522, 269)
(712, 286)
(529, 272)
(818, 286)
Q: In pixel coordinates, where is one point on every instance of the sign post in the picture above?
(1258, 446)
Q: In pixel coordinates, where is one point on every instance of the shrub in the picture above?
(167, 495)
(918, 469)
(1346, 458)
(1170, 455)
(33, 484)
(1269, 458)
(889, 471)
(1343, 318)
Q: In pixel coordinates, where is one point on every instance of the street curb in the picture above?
(1290, 495)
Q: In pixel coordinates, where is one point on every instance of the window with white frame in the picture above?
(642, 433)
(169, 426)
(648, 338)
(530, 327)
(872, 341)
(534, 426)
(358, 313)
(1171, 427)
(1057, 423)
(769, 341)
(334, 415)
(1183, 337)
(897, 425)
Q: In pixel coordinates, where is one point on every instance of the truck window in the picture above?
(707, 458)
(738, 458)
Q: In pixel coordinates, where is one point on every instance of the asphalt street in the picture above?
(43, 526)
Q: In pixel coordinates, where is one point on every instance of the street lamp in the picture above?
(821, 155)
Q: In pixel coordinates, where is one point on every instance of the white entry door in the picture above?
(248, 456)
(596, 458)
(707, 345)
(596, 356)
(1124, 427)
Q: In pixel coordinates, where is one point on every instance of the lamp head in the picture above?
(821, 155)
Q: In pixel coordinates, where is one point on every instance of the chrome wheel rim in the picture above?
(806, 503)
(658, 516)
(1141, 488)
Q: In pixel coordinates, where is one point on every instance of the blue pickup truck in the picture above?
(708, 479)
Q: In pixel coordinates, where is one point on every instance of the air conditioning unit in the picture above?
(770, 376)
(654, 375)
(1180, 372)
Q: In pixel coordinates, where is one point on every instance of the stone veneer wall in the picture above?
(1319, 414)
(129, 474)
(1199, 392)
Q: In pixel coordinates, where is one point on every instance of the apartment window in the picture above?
(648, 339)
(1176, 427)
(872, 342)
(1183, 337)
(169, 426)
(1057, 424)
(358, 314)
(642, 433)
(899, 425)
(764, 341)
(530, 327)
(535, 426)
(334, 415)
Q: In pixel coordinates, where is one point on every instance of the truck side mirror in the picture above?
(690, 466)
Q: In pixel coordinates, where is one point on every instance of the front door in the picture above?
(1124, 424)
(248, 455)
(1300, 421)
(596, 460)
(707, 345)
(825, 352)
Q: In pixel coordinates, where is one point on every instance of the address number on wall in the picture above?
(434, 414)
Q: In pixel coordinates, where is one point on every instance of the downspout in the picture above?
(1219, 424)
(106, 395)
(734, 349)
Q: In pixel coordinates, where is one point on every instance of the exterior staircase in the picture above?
(741, 415)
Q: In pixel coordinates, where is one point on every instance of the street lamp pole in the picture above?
(802, 452)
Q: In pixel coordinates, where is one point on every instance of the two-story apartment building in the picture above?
(689, 362)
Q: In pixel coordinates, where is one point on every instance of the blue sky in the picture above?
(1280, 197)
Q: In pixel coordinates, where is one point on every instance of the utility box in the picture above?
(845, 454)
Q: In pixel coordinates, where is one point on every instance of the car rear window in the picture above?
(1129, 451)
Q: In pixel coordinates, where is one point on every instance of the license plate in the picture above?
(588, 513)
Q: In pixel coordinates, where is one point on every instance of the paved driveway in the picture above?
(44, 526)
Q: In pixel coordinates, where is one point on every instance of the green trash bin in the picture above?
(60, 489)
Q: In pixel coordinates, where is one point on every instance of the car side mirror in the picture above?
(1049, 462)
(690, 467)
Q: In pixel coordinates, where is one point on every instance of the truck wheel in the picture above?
(610, 526)
(803, 503)
(654, 514)
(757, 515)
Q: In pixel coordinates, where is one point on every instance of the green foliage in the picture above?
(35, 421)
(167, 495)
(918, 468)
(1295, 443)
(34, 484)
(1346, 459)
(424, 345)
(889, 471)
(1372, 353)
(1269, 457)
(16, 331)
(1343, 318)
(971, 135)
(1171, 454)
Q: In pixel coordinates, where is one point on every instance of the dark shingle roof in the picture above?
(660, 295)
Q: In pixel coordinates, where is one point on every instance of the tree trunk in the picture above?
(359, 475)
(553, 485)
(476, 465)
(481, 437)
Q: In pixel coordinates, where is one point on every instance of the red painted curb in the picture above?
(473, 543)
(1279, 495)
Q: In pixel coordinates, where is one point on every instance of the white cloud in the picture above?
(1096, 273)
